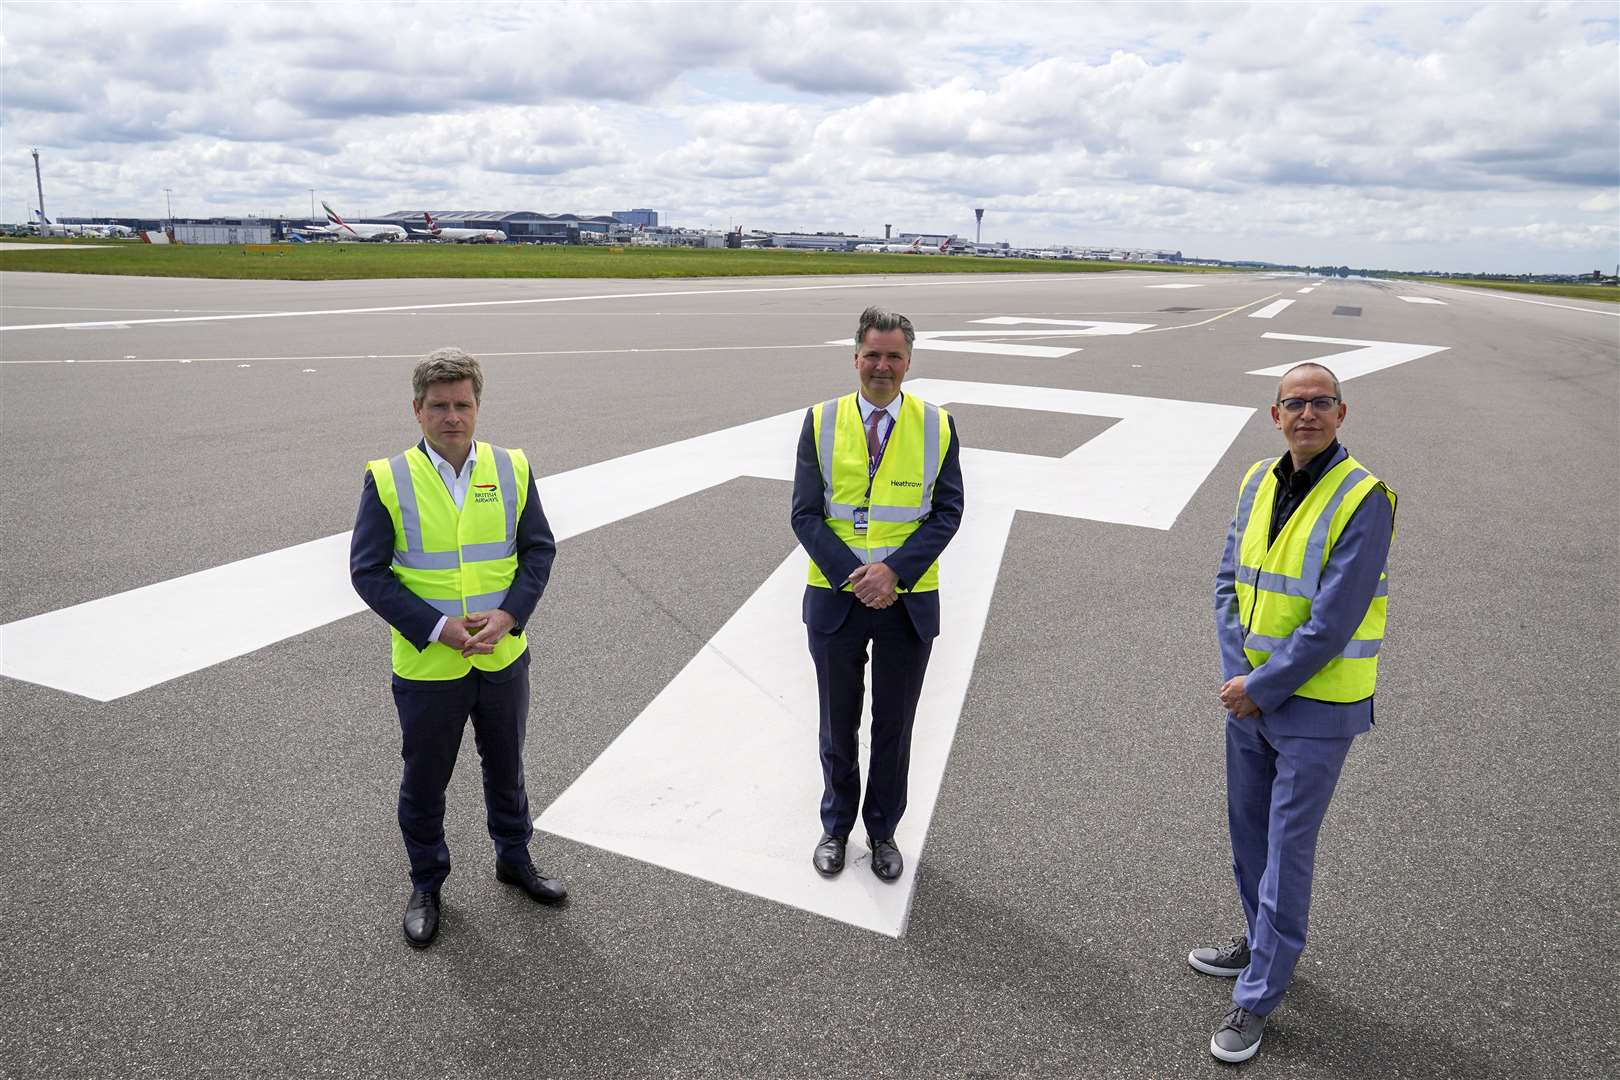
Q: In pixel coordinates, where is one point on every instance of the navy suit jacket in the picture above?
(371, 553)
(826, 609)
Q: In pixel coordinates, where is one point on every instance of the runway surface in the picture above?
(199, 754)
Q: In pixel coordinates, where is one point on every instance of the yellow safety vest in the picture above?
(459, 561)
(902, 491)
(1277, 581)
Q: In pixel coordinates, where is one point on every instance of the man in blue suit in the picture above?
(877, 494)
(452, 548)
(1300, 603)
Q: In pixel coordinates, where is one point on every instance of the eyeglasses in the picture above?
(1297, 404)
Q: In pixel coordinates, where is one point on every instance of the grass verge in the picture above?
(324, 262)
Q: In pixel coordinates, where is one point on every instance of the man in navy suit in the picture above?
(877, 494)
(452, 548)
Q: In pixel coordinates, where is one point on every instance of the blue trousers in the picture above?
(899, 662)
(432, 716)
(1277, 792)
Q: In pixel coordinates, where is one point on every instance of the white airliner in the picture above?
(460, 236)
(46, 227)
(913, 248)
(338, 229)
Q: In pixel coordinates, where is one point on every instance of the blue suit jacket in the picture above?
(1341, 602)
(826, 609)
(371, 553)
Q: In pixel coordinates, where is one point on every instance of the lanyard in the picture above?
(872, 463)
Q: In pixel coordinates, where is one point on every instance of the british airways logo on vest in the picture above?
(486, 493)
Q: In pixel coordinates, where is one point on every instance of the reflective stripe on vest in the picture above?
(1276, 581)
(457, 561)
(911, 461)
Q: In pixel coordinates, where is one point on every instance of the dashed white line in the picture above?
(1421, 300)
(1271, 310)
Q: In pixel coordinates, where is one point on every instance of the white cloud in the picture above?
(1404, 135)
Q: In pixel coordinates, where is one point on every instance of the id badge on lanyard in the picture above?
(860, 519)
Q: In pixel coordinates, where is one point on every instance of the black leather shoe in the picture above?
(422, 918)
(829, 856)
(546, 890)
(886, 860)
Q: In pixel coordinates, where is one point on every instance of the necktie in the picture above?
(873, 444)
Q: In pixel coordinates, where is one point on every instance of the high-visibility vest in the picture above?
(902, 490)
(459, 561)
(1277, 581)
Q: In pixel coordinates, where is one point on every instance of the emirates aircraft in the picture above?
(338, 229)
(436, 231)
(46, 227)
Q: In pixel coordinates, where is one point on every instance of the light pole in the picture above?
(168, 196)
(312, 204)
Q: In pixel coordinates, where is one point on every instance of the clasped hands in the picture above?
(874, 585)
(1235, 696)
(477, 633)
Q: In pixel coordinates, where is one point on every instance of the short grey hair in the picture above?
(1338, 393)
(879, 319)
(447, 365)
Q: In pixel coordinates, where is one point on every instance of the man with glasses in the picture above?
(1300, 602)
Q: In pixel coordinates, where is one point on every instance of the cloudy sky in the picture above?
(1408, 136)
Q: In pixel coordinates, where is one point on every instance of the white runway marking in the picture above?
(655, 794)
(1308, 288)
(417, 356)
(1366, 358)
(125, 323)
(1180, 285)
(1496, 295)
(1271, 310)
(1421, 300)
(1085, 327)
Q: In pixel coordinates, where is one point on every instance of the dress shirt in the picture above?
(456, 482)
(890, 412)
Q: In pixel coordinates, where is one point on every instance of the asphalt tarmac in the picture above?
(205, 878)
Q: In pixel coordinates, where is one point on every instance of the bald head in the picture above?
(1311, 366)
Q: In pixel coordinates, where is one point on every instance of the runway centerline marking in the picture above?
(447, 306)
(1366, 358)
(1271, 310)
(1420, 300)
(655, 794)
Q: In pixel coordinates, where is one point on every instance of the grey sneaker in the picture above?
(1227, 961)
(1238, 1037)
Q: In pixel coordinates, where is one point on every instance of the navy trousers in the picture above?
(1277, 791)
(899, 662)
(432, 716)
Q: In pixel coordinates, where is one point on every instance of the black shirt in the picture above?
(1294, 484)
